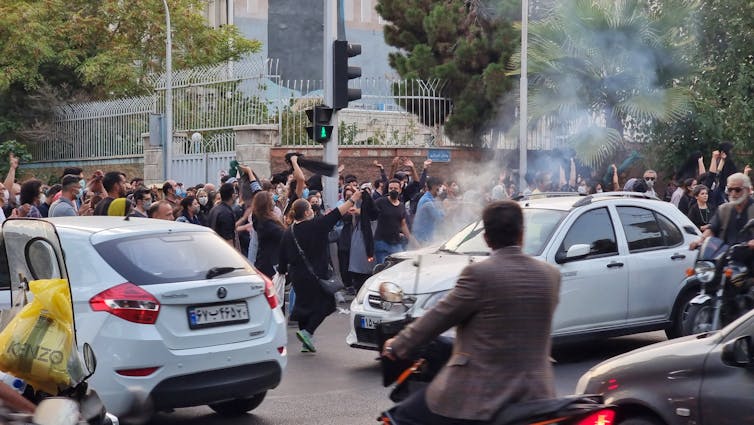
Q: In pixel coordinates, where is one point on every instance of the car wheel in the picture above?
(676, 328)
(642, 420)
(698, 318)
(238, 407)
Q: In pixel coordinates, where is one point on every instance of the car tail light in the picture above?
(144, 371)
(129, 302)
(269, 291)
(600, 417)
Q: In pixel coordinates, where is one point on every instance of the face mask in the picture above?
(315, 208)
(42, 198)
(196, 209)
(394, 194)
(305, 195)
(203, 200)
(6, 194)
(18, 199)
(147, 204)
(180, 192)
(650, 183)
(599, 190)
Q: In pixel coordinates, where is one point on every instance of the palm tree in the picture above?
(594, 64)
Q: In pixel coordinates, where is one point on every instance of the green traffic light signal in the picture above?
(320, 131)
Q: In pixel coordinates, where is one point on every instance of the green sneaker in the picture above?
(305, 339)
(305, 350)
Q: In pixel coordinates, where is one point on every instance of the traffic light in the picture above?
(320, 130)
(341, 51)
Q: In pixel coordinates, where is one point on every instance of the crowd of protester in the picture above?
(388, 212)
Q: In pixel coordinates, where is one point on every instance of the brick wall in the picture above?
(359, 160)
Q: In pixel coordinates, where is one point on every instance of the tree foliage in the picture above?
(467, 43)
(722, 90)
(594, 64)
(96, 49)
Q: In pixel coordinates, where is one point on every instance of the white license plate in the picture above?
(370, 322)
(203, 316)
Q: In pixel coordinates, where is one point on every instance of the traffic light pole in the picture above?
(331, 148)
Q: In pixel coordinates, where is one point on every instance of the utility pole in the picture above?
(168, 148)
(330, 154)
(523, 98)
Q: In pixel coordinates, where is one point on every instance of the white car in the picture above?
(171, 310)
(623, 259)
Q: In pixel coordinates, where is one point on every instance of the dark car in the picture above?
(705, 379)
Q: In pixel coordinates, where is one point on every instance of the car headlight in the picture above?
(704, 271)
(434, 299)
(391, 292)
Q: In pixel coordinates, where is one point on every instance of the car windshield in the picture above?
(539, 224)
(165, 258)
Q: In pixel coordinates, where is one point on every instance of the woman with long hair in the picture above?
(269, 231)
(308, 236)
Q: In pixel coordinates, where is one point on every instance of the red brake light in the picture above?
(269, 291)
(129, 302)
(145, 371)
(600, 417)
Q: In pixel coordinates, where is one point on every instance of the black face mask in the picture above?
(393, 194)
(315, 208)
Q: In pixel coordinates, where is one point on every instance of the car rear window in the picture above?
(177, 257)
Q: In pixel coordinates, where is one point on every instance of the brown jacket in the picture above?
(503, 309)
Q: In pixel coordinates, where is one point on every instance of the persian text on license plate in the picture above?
(369, 322)
(203, 316)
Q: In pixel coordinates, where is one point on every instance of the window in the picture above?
(595, 229)
(642, 229)
(670, 232)
(177, 257)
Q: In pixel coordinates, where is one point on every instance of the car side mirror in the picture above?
(738, 353)
(575, 252)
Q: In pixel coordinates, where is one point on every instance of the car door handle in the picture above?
(677, 256)
(614, 264)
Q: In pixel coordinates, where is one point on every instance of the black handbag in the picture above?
(331, 285)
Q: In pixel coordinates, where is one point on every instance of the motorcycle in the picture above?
(726, 286)
(409, 376)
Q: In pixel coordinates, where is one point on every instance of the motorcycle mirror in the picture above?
(749, 225)
(90, 360)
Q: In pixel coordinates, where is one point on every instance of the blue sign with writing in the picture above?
(439, 155)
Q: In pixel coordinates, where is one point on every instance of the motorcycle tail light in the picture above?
(600, 417)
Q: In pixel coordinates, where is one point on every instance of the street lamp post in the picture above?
(524, 90)
(168, 148)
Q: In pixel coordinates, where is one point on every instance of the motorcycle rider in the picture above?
(733, 215)
(502, 308)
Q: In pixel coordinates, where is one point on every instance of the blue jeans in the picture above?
(382, 249)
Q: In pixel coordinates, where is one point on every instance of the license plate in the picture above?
(369, 322)
(203, 316)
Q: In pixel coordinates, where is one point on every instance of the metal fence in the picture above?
(97, 130)
(388, 113)
(215, 99)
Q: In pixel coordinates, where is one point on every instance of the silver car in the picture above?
(623, 258)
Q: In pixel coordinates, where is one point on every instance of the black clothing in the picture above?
(389, 218)
(700, 217)
(411, 189)
(244, 237)
(344, 248)
(414, 411)
(269, 237)
(44, 209)
(684, 205)
(222, 221)
(736, 222)
(102, 206)
(313, 304)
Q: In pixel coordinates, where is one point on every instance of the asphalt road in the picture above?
(342, 386)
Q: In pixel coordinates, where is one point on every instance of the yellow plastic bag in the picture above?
(38, 345)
